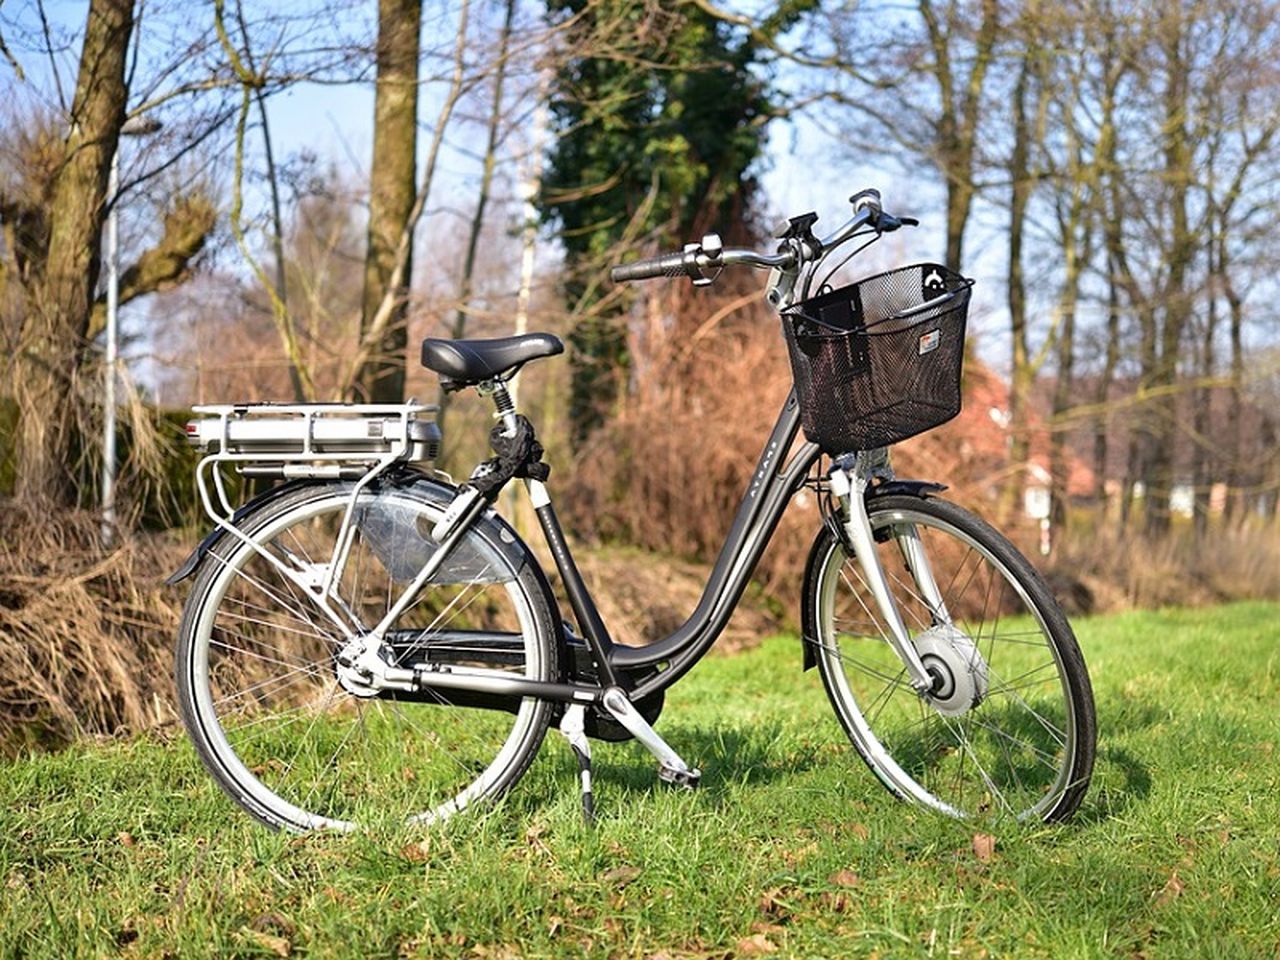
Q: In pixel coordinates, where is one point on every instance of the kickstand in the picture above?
(572, 725)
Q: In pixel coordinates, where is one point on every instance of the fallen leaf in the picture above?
(760, 926)
(844, 878)
(620, 876)
(774, 903)
(1171, 890)
(984, 847)
(793, 858)
(417, 852)
(756, 945)
(860, 831)
(837, 902)
(126, 840)
(280, 946)
(273, 923)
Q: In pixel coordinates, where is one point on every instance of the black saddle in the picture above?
(463, 362)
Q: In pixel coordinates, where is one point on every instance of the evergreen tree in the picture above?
(660, 118)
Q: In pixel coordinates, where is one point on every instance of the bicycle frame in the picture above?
(665, 661)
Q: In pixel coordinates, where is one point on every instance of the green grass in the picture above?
(790, 845)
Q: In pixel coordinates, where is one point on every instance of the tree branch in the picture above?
(167, 264)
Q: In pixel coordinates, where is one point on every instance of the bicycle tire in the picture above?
(1026, 733)
(257, 687)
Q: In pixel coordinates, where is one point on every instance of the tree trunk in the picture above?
(1021, 375)
(1075, 251)
(1203, 462)
(392, 192)
(958, 121)
(1235, 498)
(1112, 238)
(50, 358)
(1178, 177)
(1110, 361)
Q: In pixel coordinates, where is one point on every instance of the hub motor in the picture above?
(958, 669)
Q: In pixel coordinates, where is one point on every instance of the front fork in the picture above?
(850, 477)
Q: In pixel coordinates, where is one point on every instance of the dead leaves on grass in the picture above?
(1171, 890)
(756, 945)
(620, 876)
(984, 847)
(279, 946)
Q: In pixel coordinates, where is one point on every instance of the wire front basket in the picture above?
(879, 360)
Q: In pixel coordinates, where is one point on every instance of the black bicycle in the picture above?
(367, 643)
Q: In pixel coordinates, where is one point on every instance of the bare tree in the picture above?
(391, 196)
(489, 165)
(52, 234)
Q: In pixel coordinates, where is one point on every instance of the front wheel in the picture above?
(1009, 728)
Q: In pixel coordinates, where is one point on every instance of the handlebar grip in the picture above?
(667, 265)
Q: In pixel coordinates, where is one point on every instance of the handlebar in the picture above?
(702, 262)
(666, 265)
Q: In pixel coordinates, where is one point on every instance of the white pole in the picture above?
(133, 127)
(113, 346)
(530, 184)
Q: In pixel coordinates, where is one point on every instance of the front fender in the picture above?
(821, 543)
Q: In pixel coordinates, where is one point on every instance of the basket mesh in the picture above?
(879, 360)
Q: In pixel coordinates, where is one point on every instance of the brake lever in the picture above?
(888, 223)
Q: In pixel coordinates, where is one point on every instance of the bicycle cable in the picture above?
(876, 235)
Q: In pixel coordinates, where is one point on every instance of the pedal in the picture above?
(573, 726)
(684, 779)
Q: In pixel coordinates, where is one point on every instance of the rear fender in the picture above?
(495, 526)
(196, 557)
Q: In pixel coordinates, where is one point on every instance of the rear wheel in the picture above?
(1009, 728)
(257, 681)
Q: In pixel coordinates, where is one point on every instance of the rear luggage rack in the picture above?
(321, 441)
(297, 433)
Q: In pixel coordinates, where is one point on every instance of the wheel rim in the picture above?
(282, 731)
(1010, 753)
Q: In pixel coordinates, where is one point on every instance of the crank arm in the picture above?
(671, 767)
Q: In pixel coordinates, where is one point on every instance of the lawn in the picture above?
(790, 848)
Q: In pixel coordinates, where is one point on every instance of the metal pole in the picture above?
(133, 127)
(530, 184)
(113, 346)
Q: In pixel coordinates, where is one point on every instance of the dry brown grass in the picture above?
(86, 636)
(643, 597)
(668, 472)
(1108, 570)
